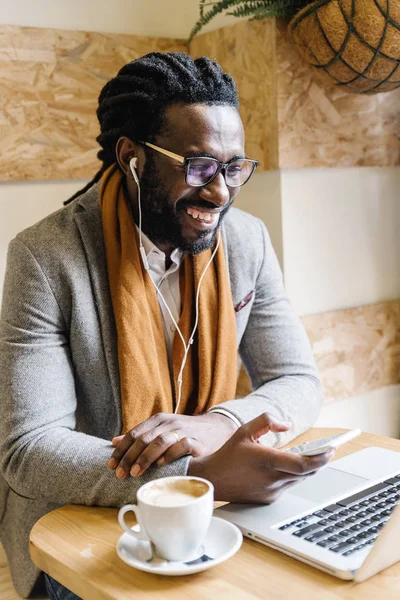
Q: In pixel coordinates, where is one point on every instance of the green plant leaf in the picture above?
(253, 9)
(218, 7)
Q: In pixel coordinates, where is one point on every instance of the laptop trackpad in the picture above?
(325, 484)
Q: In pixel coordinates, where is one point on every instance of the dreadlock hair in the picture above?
(133, 103)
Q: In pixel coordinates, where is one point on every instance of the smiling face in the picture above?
(175, 214)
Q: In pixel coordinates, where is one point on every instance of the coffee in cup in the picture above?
(174, 513)
(174, 492)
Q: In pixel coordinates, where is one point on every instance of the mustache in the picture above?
(200, 203)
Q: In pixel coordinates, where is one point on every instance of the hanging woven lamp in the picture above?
(355, 42)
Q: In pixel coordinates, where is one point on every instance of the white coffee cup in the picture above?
(174, 513)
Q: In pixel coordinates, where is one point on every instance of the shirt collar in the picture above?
(151, 249)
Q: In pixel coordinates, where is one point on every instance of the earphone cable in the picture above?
(195, 325)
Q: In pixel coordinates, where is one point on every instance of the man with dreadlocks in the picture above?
(123, 314)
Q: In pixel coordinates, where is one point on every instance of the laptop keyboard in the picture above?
(353, 523)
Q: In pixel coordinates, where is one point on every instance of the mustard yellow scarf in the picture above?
(210, 373)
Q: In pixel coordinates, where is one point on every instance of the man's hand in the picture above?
(244, 470)
(166, 437)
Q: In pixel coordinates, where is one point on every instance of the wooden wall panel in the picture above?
(321, 124)
(357, 350)
(248, 52)
(51, 80)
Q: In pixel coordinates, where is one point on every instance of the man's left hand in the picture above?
(165, 437)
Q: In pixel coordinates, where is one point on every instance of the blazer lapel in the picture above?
(89, 224)
(240, 282)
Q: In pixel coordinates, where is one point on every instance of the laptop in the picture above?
(345, 520)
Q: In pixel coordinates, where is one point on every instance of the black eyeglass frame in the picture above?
(186, 161)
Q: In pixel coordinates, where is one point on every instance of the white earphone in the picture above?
(132, 165)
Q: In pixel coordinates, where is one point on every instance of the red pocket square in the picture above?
(243, 302)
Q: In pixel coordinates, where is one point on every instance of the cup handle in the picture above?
(138, 533)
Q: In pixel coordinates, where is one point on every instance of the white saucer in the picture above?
(223, 540)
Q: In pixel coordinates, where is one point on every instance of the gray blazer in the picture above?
(59, 381)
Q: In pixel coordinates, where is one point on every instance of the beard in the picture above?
(161, 216)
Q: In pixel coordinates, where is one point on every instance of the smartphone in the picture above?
(324, 444)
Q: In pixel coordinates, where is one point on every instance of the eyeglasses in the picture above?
(202, 170)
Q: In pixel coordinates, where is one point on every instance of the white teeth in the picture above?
(201, 215)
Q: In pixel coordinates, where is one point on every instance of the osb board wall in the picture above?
(320, 124)
(248, 52)
(356, 349)
(51, 80)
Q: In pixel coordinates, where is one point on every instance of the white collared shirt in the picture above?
(167, 282)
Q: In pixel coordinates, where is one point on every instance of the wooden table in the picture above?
(76, 546)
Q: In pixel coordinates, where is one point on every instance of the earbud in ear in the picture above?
(132, 166)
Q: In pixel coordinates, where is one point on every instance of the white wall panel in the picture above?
(376, 412)
(23, 204)
(262, 198)
(166, 18)
(341, 239)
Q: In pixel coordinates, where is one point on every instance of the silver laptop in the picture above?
(344, 520)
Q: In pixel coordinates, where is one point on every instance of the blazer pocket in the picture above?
(244, 302)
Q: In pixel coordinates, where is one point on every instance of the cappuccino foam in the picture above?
(174, 493)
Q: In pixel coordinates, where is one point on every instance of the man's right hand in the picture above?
(244, 470)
